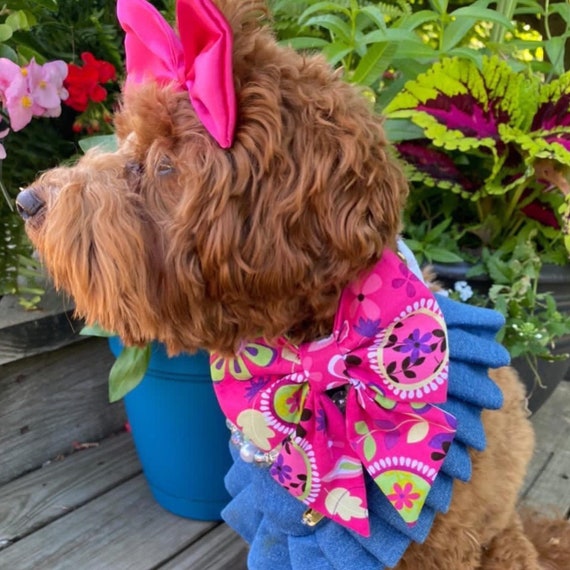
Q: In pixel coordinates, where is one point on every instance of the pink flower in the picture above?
(30, 91)
(403, 497)
(18, 101)
(46, 87)
(8, 71)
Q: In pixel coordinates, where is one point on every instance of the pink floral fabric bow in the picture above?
(388, 353)
(200, 61)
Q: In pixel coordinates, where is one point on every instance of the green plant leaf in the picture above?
(334, 52)
(418, 19)
(327, 7)
(442, 255)
(7, 52)
(562, 8)
(484, 14)
(107, 143)
(17, 20)
(555, 48)
(374, 63)
(304, 43)
(128, 371)
(336, 26)
(402, 130)
(5, 32)
(95, 330)
(375, 15)
(439, 5)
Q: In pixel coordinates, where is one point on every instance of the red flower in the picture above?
(84, 83)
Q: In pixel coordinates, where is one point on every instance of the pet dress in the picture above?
(274, 521)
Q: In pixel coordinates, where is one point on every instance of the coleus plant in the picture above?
(487, 151)
(494, 143)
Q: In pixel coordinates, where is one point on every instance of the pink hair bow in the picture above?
(200, 61)
(388, 354)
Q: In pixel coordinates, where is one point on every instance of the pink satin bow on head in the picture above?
(199, 61)
(388, 355)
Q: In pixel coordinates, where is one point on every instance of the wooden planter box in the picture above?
(53, 386)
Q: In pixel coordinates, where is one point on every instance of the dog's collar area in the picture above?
(248, 451)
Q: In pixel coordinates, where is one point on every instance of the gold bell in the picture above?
(311, 517)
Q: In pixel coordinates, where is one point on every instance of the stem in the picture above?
(507, 9)
(353, 15)
(514, 201)
(546, 19)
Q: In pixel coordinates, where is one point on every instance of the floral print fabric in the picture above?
(388, 354)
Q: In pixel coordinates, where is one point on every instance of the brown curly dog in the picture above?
(173, 238)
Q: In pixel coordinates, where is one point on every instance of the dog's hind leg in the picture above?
(511, 549)
(551, 538)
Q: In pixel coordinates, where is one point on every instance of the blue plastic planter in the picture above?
(180, 434)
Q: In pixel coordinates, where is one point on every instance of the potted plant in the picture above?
(487, 150)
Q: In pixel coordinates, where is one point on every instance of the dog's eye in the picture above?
(164, 167)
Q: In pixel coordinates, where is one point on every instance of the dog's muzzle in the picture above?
(28, 203)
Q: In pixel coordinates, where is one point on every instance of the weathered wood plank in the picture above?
(551, 461)
(220, 549)
(26, 333)
(125, 529)
(48, 401)
(34, 500)
(551, 489)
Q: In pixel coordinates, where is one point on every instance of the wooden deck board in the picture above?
(220, 549)
(34, 500)
(44, 410)
(548, 480)
(124, 529)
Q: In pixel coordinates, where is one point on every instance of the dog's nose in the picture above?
(28, 203)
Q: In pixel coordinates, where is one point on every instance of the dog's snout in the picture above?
(28, 203)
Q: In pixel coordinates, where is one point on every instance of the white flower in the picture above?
(464, 290)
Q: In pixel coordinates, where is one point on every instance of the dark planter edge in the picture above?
(28, 333)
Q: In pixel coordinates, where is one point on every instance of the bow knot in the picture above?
(388, 352)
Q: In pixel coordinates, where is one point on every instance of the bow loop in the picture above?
(200, 61)
(152, 49)
(207, 42)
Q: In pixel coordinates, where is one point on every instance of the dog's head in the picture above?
(172, 237)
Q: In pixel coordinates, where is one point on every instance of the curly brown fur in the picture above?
(550, 536)
(173, 238)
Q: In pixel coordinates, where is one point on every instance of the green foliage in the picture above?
(378, 44)
(533, 321)
(482, 133)
(45, 30)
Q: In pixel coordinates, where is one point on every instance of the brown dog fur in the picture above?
(173, 238)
